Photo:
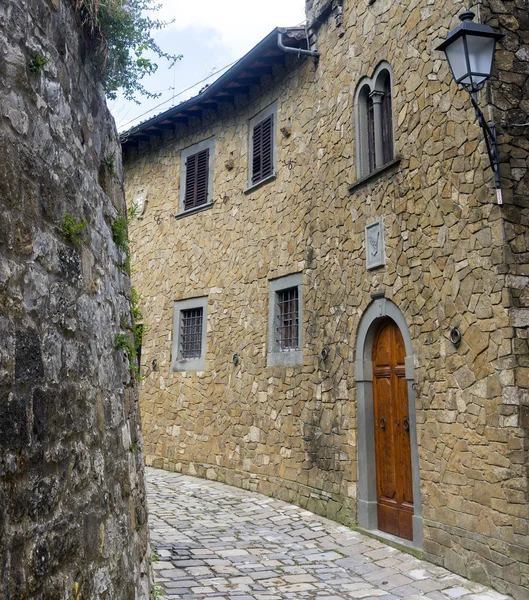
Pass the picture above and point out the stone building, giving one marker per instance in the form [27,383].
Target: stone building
[312,229]
[72,495]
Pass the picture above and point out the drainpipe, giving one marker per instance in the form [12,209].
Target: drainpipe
[298,51]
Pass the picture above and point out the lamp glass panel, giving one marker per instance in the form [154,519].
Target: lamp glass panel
[455,53]
[481,55]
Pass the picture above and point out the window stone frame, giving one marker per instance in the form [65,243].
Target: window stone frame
[275,356]
[375,87]
[271,109]
[179,364]
[209,144]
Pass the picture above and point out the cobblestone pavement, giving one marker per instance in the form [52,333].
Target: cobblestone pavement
[222,543]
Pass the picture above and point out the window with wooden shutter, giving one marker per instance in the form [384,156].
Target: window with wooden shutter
[197,176]
[263,149]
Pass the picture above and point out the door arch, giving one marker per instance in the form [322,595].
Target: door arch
[380,311]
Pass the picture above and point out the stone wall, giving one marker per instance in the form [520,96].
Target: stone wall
[72,497]
[453,258]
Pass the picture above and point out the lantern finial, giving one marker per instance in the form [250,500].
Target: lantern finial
[468,15]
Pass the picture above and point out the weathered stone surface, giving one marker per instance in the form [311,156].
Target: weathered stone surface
[453,258]
[72,498]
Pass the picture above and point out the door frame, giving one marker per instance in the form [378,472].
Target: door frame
[378,310]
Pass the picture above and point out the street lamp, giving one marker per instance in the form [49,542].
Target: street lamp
[470,49]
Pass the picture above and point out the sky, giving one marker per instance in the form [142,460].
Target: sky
[210,34]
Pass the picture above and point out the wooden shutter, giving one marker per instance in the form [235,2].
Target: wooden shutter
[263,149]
[197,179]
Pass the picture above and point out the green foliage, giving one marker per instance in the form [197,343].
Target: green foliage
[135,312]
[133,448]
[77,595]
[71,228]
[138,328]
[132,212]
[110,163]
[37,62]
[120,32]
[131,344]
[157,591]
[124,343]
[126,266]
[120,234]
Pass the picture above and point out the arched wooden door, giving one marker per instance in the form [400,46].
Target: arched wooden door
[392,433]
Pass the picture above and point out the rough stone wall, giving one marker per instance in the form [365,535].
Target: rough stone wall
[450,249]
[72,498]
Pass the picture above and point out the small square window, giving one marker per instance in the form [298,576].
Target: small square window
[189,335]
[285,321]
[196,176]
[262,159]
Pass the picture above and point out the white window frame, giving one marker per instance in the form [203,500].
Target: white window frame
[209,144]
[275,356]
[189,364]
[261,116]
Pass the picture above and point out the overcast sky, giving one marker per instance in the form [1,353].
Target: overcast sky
[210,34]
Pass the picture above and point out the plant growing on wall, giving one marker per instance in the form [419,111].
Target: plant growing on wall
[119,31]
[71,228]
[110,163]
[37,62]
[131,345]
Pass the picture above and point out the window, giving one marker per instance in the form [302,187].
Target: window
[262,159]
[288,328]
[196,192]
[189,335]
[196,176]
[374,122]
[285,321]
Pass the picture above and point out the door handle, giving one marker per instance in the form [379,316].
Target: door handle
[406,424]
[383,423]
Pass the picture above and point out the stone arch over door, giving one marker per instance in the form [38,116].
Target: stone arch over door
[377,311]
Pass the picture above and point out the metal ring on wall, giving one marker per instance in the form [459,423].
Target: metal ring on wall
[455,336]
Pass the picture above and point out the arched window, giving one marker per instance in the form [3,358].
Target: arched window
[374,122]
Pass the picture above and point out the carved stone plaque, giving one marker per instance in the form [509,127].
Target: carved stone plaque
[375,248]
[140,201]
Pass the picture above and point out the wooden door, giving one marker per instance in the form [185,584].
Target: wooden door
[392,433]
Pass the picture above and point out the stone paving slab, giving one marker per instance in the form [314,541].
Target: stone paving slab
[217,542]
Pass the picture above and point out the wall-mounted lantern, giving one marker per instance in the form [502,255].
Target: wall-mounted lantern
[470,49]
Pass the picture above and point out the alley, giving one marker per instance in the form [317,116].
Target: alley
[222,543]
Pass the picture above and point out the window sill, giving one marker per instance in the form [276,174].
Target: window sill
[360,183]
[291,358]
[264,181]
[193,211]
[189,365]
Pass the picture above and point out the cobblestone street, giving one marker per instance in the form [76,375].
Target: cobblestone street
[222,543]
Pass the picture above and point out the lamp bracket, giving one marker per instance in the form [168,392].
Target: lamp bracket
[491,141]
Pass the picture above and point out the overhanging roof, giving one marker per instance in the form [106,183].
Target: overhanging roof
[248,71]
